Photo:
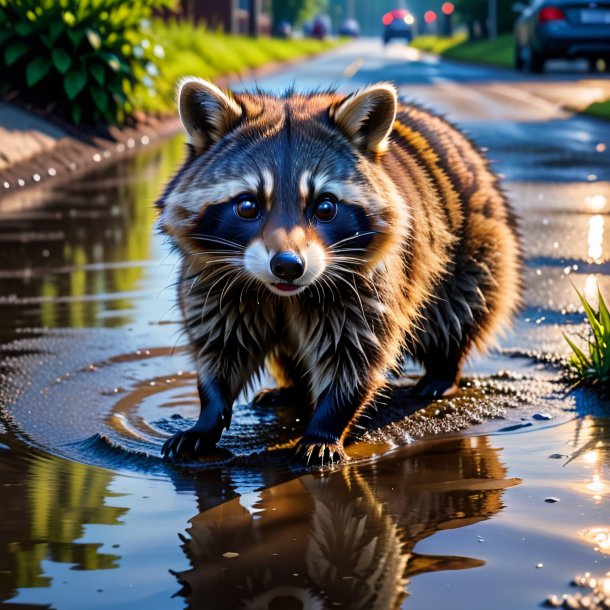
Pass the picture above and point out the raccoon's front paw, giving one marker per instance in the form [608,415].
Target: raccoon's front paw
[190,444]
[271,397]
[320,452]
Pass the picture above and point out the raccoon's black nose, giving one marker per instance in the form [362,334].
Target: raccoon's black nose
[287,266]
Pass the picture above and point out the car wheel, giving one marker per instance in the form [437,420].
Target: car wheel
[518,61]
[535,61]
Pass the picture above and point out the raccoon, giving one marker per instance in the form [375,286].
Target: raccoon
[328,237]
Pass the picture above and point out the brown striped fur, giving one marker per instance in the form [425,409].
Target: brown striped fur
[438,276]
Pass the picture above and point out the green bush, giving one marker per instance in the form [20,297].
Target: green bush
[83,58]
[591,365]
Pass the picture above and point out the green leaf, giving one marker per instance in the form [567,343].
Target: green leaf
[77,114]
[583,359]
[75,36]
[604,315]
[74,82]
[5,36]
[48,41]
[112,60]
[36,70]
[56,27]
[593,321]
[98,72]
[24,28]
[61,60]
[100,98]
[15,51]
[94,39]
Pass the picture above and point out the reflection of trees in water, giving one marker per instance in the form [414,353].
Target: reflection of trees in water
[44,511]
[591,445]
[78,243]
[344,538]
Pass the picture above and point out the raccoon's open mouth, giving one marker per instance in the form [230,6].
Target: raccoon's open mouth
[286,289]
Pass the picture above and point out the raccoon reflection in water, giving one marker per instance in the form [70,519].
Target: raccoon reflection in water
[345,539]
[328,237]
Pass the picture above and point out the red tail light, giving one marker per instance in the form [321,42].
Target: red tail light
[551,13]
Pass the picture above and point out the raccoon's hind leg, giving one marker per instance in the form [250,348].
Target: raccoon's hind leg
[453,323]
[291,386]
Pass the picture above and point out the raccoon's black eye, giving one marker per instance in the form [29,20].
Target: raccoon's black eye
[325,208]
[246,207]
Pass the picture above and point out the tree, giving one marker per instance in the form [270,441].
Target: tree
[474,14]
[296,12]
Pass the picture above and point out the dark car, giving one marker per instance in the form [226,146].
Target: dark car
[398,24]
[320,27]
[350,27]
[551,29]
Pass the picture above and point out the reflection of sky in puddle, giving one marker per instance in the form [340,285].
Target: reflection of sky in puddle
[596,237]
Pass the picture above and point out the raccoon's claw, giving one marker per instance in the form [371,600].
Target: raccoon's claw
[313,452]
[187,445]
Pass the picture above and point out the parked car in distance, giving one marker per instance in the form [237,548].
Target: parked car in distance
[550,29]
[283,29]
[398,24]
[350,27]
[320,27]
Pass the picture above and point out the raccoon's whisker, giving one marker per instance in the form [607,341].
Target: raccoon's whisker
[225,259]
[334,290]
[355,236]
[241,273]
[355,291]
[315,285]
[336,251]
[246,286]
[213,253]
[209,275]
[195,280]
[258,302]
[333,287]
[218,240]
[208,294]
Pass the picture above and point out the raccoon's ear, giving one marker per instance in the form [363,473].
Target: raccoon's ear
[206,112]
[366,117]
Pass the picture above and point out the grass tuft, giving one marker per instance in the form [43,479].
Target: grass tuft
[591,365]
[498,52]
[601,110]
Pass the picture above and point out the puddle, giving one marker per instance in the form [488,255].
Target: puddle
[421,527]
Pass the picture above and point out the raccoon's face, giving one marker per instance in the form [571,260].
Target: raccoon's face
[284,192]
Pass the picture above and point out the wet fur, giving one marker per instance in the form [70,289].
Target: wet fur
[426,262]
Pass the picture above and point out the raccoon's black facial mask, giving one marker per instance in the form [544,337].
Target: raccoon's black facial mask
[237,221]
[349,231]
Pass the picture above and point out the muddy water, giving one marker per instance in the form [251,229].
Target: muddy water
[94,378]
